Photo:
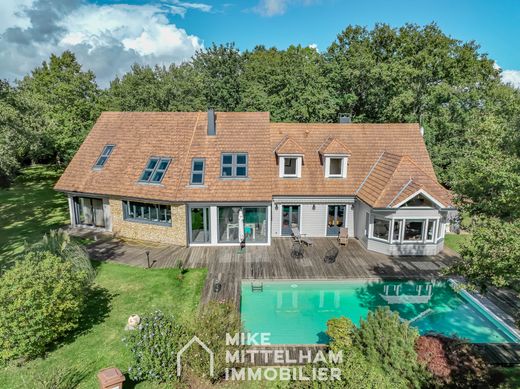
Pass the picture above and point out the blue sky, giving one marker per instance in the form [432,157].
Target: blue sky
[109,35]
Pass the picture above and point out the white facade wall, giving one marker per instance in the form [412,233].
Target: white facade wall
[313,222]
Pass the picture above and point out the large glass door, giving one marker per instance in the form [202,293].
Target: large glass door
[199,225]
[89,212]
[335,219]
[290,219]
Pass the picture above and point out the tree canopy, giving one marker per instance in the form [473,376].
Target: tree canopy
[384,74]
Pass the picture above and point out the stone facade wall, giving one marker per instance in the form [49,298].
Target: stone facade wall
[174,234]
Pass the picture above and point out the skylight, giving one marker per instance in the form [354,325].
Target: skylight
[107,150]
[155,170]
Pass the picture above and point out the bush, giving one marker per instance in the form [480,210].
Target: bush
[390,343]
[452,362]
[211,325]
[356,371]
[41,300]
[59,243]
[154,346]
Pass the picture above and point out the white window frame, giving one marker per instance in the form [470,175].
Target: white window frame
[373,221]
[426,240]
[343,166]
[281,163]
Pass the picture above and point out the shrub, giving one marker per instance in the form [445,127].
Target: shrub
[452,362]
[211,325]
[390,343]
[59,243]
[356,371]
[41,300]
[154,346]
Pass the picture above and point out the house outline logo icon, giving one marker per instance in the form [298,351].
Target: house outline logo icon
[187,346]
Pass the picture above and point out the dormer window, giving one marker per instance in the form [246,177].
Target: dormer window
[335,167]
[290,166]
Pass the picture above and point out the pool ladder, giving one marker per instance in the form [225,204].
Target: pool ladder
[257,287]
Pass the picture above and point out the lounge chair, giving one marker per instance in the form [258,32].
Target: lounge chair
[343,236]
[298,237]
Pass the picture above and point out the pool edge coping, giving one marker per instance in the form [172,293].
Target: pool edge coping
[487,306]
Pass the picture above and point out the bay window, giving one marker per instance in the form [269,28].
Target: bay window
[413,230]
[381,229]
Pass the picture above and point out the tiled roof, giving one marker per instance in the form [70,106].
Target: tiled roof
[183,136]
[395,178]
[333,146]
[288,146]
[366,143]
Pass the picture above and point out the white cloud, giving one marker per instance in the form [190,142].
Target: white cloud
[106,38]
[314,46]
[278,7]
[511,77]
[271,7]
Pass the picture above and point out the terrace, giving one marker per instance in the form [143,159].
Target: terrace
[230,266]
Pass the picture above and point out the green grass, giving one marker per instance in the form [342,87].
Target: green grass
[123,290]
[29,209]
[454,241]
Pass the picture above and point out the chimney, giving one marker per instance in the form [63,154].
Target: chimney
[212,128]
[344,118]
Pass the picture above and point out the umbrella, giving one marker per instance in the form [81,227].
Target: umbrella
[240,226]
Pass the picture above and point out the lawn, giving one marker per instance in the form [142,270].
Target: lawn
[30,208]
[122,291]
[454,241]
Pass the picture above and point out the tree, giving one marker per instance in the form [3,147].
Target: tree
[390,343]
[290,84]
[412,74]
[220,68]
[492,254]
[69,96]
[20,139]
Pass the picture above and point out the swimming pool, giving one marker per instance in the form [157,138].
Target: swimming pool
[296,312]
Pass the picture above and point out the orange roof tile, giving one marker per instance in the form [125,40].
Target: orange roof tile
[288,146]
[333,146]
[183,136]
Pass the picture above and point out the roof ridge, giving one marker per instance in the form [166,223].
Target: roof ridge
[188,150]
[418,167]
[401,191]
[391,177]
[281,142]
[369,173]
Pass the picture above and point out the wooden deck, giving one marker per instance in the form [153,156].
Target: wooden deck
[229,266]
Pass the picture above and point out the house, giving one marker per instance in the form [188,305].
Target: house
[186,178]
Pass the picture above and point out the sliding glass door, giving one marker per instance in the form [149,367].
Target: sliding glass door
[335,219]
[254,224]
[89,212]
[199,225]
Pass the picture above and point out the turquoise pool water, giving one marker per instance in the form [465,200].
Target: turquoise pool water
[296,312]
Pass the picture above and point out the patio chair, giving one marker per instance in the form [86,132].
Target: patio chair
[297,250]
[343,236]
[330,255]
[298,237]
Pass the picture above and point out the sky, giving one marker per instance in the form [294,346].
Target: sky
[108,36]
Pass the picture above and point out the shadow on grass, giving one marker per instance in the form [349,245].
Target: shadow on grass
[96,310]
